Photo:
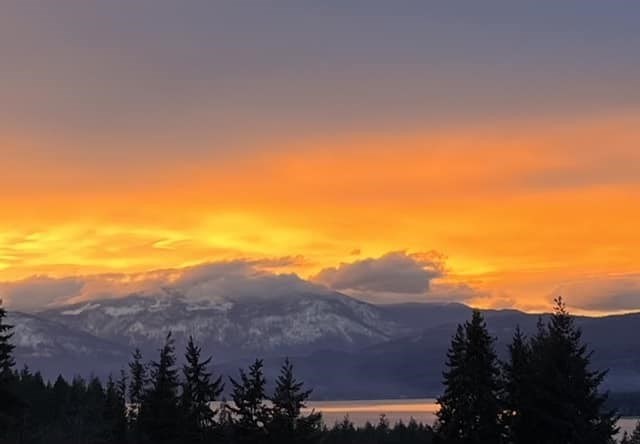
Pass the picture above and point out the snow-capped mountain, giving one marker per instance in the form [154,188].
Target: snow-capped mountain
[235,312]
[232,327]
[264,317]
[55,348]
[334,340]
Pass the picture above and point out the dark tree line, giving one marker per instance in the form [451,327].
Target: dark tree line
[345,432]
[545,393]
[159,403]
[156,403]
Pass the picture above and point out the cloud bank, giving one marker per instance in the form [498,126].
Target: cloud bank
[395,272]
[620,293]
[247,278]
[394,277]
[40,291]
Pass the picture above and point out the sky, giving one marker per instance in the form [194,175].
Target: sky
[477,152]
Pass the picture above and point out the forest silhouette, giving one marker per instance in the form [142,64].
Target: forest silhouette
[545,392]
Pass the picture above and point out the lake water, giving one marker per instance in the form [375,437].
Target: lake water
[422,410]
[359,412]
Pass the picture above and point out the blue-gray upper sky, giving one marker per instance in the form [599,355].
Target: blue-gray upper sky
[177,66]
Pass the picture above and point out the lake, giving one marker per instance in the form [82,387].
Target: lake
[422,410]
[359,412]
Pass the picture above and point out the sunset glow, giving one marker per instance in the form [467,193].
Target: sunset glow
[520,207]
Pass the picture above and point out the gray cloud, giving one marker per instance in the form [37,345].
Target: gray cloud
[605,294]
[392,278]
[456,292]
[39,291]
[238,280]
[247,278]
[396,272]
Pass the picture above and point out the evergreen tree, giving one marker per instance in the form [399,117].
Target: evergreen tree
[34,394]
[78,410]
[10,406]
[6,348]
[90,410]
[115,410]
[288,425]
[225,422]
[137,389]
[61,394]
[138,374]
[470,408]
[343,432]
[451,423]
[566,406]
[518,392]
[383,429]
[122,423]
[160,412]
[198,392]
[251,414]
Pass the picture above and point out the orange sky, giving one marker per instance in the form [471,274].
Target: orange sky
[501,138]
[519,210]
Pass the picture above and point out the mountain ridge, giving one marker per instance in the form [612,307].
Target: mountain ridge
[342,346]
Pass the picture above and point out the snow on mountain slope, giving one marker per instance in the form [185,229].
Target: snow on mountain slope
[234,314]
[55,348]
[333,339]
[232,327]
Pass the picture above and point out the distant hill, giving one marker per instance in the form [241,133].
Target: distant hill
[343,347]
[412,366]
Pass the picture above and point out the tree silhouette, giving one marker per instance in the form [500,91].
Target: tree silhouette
[10,405]
[548,395]
[198,392]
[470,408]
[115,410]
[251,414]
[138,373]
[160,412]
[518,391]
[567,405]
[6,348]
[137,390]
[288,425]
